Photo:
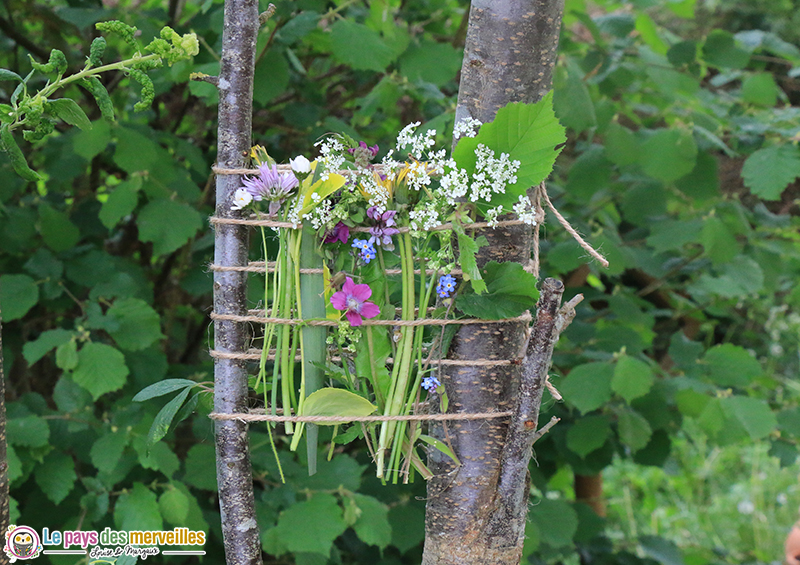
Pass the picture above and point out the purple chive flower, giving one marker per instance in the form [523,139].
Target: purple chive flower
[384,230]
[365,249]
[446,286]
[270,185]
[353,300]
[340,232]
[430,383]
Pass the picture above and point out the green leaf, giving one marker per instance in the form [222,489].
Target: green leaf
[359,47]
[572,103]
[137,509]
[753,414]
[668,154]
[662,550]
[373,366]
[740,277]
[760,89]
[408,524]
[58,232]
[621,147]
[467,248]
[91,142]
[158,457]
[271,78]
[789,421]
[431,61]
[336,402]
[588,387]
[56,476]
[588,434]
[556,520]
[18,294]
[529,133]
[69,397]
[101,369]
[121,202]
[731,365]
[720,50]
[67,355]
[161,388]
[682,53]
[5,74]
[15,155]
[648,31]
[164,417]
[632,379]
[35,350]
[719,242]
[135,152]
[510,291]
[69,111]
[372,525]
[138,325]
[107,451]
[441,446]
[174,506]
[201,467]
[634,429]
[28,431]
[311,526]
[168,224]
[14,465]
[767,172]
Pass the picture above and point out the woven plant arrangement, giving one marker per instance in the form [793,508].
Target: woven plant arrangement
[370,266]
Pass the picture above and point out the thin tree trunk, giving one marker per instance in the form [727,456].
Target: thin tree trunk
[234,472]
[476,513]
[5,518]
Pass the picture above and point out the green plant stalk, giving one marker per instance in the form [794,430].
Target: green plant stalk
[413,393]
[372,377]
[275,311]
[269,329]
[62,82]
[286,345]
[401,369]
[313,348]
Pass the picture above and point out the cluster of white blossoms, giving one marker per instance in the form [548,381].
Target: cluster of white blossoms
[331,155]
[322,215]
[419,143]
[492,214]
[466,128]
[524,211]
[491,175]
[424,218]
[378,194]
[417,175]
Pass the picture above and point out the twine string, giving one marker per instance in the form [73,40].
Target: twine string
[249,417]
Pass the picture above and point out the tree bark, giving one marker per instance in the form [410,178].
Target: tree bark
[234,471]
[476,513]
[4,494]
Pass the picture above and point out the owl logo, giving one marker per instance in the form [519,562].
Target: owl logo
[22,542]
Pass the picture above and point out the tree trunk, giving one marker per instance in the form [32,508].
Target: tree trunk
[4,502]
[476,513]
[234,472]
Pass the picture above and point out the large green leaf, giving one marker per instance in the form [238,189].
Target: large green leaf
[137,324]
[632,378]
[372,525]
[359,47]
[587,387]
[634,430]
[588,434]
[510,291]
[121,202]
[28,431]
[58,231]
[101,369]
[311,526]
[668,154]
[137,509]
[731,365]
[18,294]
[720,50]
[69,111]
[331,402]
[556,520]
[168,225]
[164,417]
[56,476]
[768,171]
[35,350]
[529,133]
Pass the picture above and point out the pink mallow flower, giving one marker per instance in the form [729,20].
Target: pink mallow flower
[353,299]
